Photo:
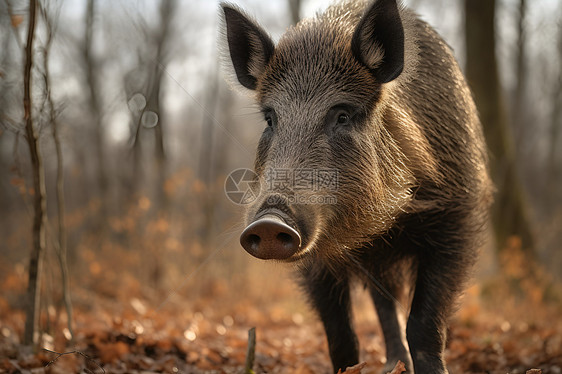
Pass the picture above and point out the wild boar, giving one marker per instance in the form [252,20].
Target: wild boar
[370,95]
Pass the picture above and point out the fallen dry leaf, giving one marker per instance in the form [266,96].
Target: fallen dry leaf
[356,369]
[398,368]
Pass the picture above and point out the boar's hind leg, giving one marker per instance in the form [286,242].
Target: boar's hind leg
[330,296]
[386,306]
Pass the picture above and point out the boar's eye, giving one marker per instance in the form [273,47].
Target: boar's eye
[343,119]
[340,117]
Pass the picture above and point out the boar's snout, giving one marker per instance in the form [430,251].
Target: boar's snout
[270,237]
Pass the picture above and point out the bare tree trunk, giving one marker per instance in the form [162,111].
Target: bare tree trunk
[510,214]
[553,172]
[295,8]
[95,109]
[153,92]
[206,165]
[167,8]
[153,105]
[519,101]
[39,202]
[137,156]
[61,247]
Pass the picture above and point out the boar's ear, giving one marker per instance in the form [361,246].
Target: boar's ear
[249,45]
[378,40]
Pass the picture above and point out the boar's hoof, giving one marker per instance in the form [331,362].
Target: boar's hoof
[269,237]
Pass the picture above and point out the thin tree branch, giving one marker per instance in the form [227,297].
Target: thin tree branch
[60,247]
[33,288]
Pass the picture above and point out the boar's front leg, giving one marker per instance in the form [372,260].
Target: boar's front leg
[437,286]
[330,296]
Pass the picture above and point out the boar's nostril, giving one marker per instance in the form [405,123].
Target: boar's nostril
[285,239]
[253,241]
[270,237]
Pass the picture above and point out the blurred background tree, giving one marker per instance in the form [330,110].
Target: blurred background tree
[510,213]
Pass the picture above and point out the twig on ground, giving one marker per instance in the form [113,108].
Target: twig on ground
[59,355]
[251,355]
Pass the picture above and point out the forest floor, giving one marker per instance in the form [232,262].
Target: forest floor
[505,324]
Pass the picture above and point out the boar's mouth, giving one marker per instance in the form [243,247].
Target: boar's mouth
[272,235]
